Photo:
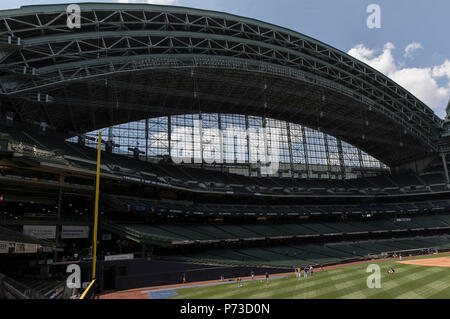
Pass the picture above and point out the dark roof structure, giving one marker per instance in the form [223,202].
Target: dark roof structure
[132,61]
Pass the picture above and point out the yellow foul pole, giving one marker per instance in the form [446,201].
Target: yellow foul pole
[97,186]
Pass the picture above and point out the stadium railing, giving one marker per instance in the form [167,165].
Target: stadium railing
[12,289]
[34,289]
[89,292]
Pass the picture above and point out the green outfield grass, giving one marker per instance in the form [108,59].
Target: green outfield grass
[409,282]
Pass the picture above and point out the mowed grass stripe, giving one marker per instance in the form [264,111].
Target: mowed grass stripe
[321,279]
[250,289]
[410,281]
[444,294]
[387,284]
[278,288]
[415,278]
[422,286]
[360,289]
[199,291]
[260,290]
[431,285]
[255,290]
[412,278]
[206,292]
[326,284]
[356,280]
[225,291]
[284,286]
[335,284]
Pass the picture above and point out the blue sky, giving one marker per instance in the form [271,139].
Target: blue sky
[422,26]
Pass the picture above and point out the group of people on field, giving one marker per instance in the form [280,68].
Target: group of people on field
[239,279]
[304,271]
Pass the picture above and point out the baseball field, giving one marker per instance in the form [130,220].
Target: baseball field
[414,278]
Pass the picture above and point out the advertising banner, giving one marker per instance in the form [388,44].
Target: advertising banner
[41,232]
[75,232]
[4,247]
[119,257]
[26,248]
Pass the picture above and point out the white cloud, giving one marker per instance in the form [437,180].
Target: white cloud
[442,70]
[410,48]
[384,62]
[422,82]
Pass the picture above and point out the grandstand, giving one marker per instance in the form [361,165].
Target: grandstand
[291,256]
[199,233]
[182,97]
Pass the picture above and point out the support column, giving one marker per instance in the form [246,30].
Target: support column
[444,163]
[266,142]
[341,158]
[327,152]
[146,139]
[305,149]
[169,135]
[361,163]
[222,155]
[58,216]
[110,134]
[197,153]
[291,157]
[247,128]
[200,136]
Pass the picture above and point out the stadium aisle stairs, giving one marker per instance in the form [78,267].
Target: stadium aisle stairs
[184,232]
[294,229]
[265,231]
[348,250]
[156,231]
[211,232]
[320,228]
[239,232]
[429,221]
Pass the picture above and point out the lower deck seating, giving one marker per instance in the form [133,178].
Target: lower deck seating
[301,255]
[201,232]
[43,288]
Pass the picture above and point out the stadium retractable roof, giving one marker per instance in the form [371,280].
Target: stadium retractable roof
[132,61]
